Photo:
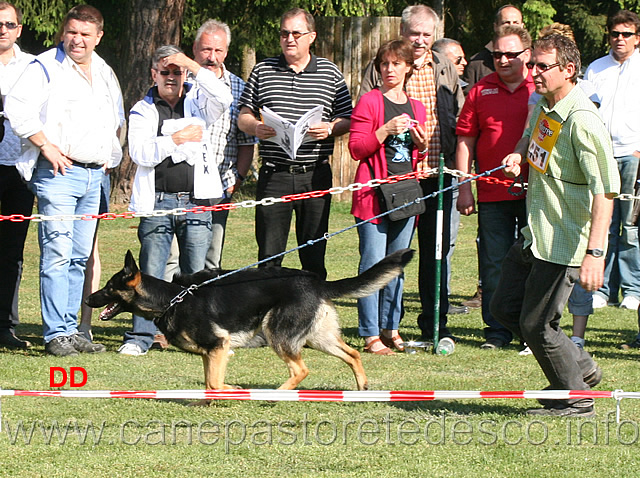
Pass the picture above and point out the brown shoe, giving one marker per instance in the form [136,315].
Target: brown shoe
[394,342]
[159,342]
[476,301]
[383,351]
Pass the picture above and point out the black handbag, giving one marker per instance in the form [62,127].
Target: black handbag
[401,193]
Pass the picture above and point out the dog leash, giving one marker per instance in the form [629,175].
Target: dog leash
[192,288]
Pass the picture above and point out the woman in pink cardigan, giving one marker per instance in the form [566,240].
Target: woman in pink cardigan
[387,138]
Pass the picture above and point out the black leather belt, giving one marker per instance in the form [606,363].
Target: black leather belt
[87,165]
[294,168]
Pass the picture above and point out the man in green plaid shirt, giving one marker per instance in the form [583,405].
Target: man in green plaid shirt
[573,179]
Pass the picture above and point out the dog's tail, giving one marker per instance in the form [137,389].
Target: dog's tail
[373,279]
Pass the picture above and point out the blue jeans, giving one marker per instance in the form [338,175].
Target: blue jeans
[499,225]
[529,300]
[193,232]
[382,310]
[65,246]
[622,264]
[580,301]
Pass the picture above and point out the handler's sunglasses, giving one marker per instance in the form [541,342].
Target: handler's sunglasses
[626,35]
[541,67]
[9,25]
[509,54]
[167,72]
[296,35]
[458,60]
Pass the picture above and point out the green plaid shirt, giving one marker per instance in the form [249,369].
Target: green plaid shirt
[581,165]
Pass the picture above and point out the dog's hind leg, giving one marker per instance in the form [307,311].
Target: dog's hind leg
[298,371]
[326,338]
[351,357]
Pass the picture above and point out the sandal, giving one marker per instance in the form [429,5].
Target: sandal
[383,351]
[394,342]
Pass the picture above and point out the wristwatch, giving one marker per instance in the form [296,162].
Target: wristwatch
[595,252]
[329,130]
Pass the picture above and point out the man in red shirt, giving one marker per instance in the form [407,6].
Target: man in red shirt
[490,124]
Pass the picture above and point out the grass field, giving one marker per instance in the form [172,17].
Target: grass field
[136,437]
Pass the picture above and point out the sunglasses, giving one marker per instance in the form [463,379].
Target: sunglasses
[541,67]
[296,35]
[625,35]
[458,60]
[509,54]
[9,25]
[167,72]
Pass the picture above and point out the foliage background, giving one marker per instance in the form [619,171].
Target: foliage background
[254,23]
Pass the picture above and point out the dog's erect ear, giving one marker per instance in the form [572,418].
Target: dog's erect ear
[130,266]
[132,273]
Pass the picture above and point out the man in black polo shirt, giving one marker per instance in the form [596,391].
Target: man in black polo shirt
[291,85]
[175,170]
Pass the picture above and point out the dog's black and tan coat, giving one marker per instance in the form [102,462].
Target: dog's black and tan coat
[293,308]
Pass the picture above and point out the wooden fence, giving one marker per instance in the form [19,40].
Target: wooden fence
[351,42]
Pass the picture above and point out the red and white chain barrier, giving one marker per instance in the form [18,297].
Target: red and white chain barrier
[249,203]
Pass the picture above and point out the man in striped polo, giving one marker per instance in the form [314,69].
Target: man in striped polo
[290,85]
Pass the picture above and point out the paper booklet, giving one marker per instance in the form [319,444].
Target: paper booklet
[288,135]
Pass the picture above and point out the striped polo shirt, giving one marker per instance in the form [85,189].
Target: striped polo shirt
[274,84]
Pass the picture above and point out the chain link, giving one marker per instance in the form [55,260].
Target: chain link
[251,203]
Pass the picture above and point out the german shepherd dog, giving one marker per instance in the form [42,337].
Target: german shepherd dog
[292,307]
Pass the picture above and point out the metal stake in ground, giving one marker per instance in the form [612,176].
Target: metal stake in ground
[438,253]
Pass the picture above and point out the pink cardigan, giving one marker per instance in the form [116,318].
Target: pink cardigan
[367,117]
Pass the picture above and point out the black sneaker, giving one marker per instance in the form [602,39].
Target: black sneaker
[10,341]
[631,345]
[493,343]
[81,344]
[564,411]
[60,347]
[455,310]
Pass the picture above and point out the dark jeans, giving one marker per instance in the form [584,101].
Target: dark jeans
[427,247]
[15,198]
[312,215]
[529,301]
[499,225]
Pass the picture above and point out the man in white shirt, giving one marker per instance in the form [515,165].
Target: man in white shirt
[15,197]
[67,108]
[176,169]
[616,80]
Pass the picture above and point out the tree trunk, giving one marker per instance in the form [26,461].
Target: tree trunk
[248,61]
[150,24]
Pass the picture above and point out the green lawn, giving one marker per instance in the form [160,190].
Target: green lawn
[136,437]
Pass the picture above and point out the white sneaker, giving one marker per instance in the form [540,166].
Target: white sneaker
[131,349]
[630,303]
[525,351]
[599,302]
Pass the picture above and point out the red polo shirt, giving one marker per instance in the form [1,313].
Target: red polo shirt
[496,117]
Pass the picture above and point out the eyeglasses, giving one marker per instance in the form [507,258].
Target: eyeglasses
[509,54]
[296,35]
[9,25]
[626,35]
[458,60]
[167,72]
[541,67]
